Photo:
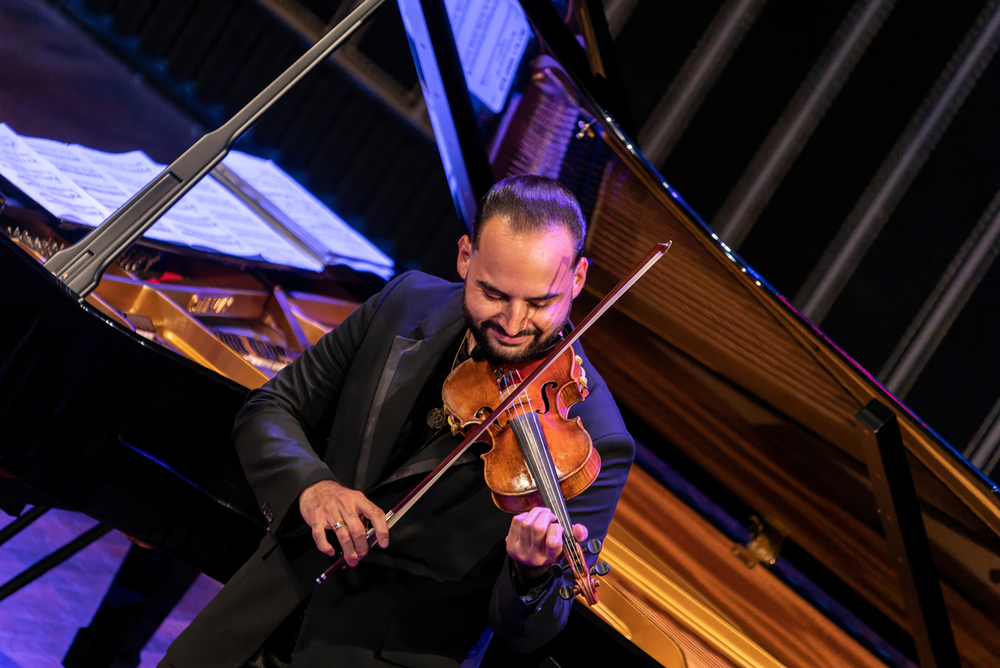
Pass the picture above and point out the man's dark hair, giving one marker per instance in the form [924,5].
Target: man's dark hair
[528,203]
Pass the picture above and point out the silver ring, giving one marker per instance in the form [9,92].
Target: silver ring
[337,525]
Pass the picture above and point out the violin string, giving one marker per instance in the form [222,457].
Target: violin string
[537,438]
[536,461]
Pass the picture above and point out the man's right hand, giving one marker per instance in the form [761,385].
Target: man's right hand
[330,505]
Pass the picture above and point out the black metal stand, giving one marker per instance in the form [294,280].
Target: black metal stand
[475,162]
[145,589]
[904,529]
[21,523]
[45,565]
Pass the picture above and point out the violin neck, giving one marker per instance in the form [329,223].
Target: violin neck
[527,431]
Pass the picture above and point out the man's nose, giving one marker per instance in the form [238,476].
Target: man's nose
[514,316]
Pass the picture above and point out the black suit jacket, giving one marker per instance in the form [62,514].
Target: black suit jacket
[334,414]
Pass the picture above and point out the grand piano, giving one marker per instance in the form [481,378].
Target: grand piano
[872,541]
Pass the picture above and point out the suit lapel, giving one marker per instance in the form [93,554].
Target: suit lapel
[424,461]
[410,361]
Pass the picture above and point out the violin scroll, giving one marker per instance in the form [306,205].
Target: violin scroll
[590,582]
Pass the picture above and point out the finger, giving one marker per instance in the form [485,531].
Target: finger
[540,526]
[356,534]
[534,514]
[519,536]
[553,542]
[322,544]
[377,518]
[346,545]
[521,526]
[525,519]
[580,532]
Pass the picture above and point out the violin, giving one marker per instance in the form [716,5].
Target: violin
[537,455]
[537,458]
[538,417]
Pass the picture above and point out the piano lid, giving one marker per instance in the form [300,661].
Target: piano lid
[703,350]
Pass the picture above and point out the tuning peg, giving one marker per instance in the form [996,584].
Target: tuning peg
[594,546]
[600,568]
[556,571]
[566,592]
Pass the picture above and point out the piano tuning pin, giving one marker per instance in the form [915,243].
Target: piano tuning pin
[600,568]
[566,592]
[594,546]
[556,571]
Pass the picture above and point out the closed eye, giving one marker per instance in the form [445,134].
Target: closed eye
[494,296]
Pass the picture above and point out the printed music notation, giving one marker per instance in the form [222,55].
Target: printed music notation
[85,186]
[491,37]
[342,243]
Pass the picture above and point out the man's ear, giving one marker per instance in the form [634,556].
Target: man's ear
[464,256]
[580,276]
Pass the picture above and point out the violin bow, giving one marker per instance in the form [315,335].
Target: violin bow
[417,492]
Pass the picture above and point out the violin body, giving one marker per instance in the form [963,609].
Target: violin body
[476,387]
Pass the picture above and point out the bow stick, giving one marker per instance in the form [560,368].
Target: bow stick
[403,506]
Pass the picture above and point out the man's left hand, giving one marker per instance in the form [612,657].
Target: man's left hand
[535,539]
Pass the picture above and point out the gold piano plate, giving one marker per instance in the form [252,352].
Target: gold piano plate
[177,330]
[201,300]
[317,314]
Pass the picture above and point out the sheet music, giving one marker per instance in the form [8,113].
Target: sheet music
[346,244]
[86,186]
[46,185]
[226,208]
[209,217]
[491,36]
[111,193]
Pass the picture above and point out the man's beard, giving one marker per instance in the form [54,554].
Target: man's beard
[499,355]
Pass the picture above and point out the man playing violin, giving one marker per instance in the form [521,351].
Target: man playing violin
[343,433]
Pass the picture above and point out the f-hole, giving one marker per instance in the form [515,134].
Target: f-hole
[550,386]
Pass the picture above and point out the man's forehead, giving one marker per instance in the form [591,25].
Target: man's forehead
[553,236]
[535,272]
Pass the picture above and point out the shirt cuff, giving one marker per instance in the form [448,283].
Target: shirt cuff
[530,584]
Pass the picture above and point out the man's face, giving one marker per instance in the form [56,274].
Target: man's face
[518,288]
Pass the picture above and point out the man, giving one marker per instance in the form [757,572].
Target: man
[343,433]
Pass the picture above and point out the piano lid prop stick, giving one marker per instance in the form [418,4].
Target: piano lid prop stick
[80,266]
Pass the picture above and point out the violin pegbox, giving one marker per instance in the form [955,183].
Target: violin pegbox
[586,590]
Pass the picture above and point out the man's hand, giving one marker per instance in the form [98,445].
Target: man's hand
[535,539]
[329,505]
